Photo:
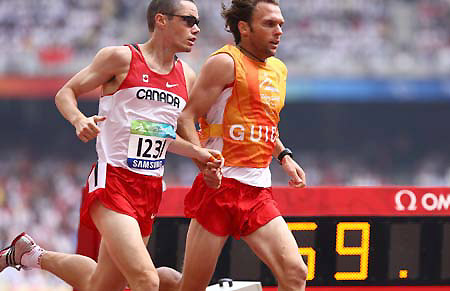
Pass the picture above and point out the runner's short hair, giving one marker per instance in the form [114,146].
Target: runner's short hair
[161,6]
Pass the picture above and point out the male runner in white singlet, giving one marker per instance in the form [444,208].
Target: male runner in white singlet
[144,89]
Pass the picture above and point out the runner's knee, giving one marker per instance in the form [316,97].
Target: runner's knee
[294,274]
[169,279]
[147,278]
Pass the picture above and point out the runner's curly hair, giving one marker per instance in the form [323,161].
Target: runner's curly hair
[240,10]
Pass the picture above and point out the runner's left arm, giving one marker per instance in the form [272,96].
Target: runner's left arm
[290,166]
[182,147]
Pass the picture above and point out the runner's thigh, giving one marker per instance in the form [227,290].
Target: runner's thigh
[122,238]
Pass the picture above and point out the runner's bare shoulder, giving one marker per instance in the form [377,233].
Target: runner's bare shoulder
[114,57]
[220,67]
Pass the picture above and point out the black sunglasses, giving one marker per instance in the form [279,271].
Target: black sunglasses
[189,19]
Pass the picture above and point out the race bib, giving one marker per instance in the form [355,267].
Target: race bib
[148,144]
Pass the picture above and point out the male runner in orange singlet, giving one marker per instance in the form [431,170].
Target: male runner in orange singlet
[144,89]
[238,96]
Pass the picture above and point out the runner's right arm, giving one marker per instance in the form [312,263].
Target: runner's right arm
[108,64]
[216,73]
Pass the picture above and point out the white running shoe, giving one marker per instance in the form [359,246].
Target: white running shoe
[12,255]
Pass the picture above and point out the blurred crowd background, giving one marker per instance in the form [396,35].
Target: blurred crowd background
[322,37]
[375,111]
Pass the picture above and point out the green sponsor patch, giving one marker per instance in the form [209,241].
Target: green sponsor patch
[150,128]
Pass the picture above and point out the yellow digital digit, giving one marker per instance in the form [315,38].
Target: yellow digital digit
[362,250]
[309,252]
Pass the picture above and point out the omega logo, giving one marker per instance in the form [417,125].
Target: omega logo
[412,200]
[429,201]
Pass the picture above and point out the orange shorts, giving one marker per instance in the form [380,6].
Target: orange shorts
[124,192]
[235,208]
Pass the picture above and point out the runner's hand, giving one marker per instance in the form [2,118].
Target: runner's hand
[86,128]
[298,177]
[210,158]
[212,170]
[215,160]
[212,177]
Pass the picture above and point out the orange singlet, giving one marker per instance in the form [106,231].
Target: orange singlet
[246,115]
[243,125]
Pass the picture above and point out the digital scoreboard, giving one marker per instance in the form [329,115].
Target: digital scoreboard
[374,250]
[366,237]
[348,236]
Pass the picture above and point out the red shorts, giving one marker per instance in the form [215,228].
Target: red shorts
[124,192]
[235,208]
